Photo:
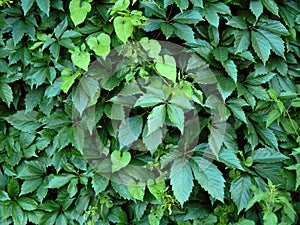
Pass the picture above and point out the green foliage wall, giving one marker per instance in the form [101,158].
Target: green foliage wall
[249,174]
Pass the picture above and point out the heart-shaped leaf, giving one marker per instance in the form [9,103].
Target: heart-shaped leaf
[118,161]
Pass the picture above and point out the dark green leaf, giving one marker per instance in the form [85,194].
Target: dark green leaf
[268,155]
[188,17]
[261,46]
[240,192]
[44,5]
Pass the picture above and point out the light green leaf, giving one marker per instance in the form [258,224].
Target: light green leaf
[6,93]
[44,5]
[270,218]
[27,203]
[231,69]
[80,58]
[268,155]
[146,101]
[256,8]
[26,122]
[68,79]
[181,179]
[156,187]
[209,177]
[26,5]
[241,192]
[188,17]
[57,181]
[297,168]
[212,16]
[273,115]
[99,183]
[118,161]
[261,46]
[130,130]
[79,10]
[123,28]
[156,118]
[176,116]
[119,5]
[29,186]
[241,41]
[271,6]
[100,44]
[166,67]
[137,190]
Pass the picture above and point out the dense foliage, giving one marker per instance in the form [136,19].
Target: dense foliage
[93,131]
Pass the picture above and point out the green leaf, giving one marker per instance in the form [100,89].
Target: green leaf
[261,46]
[237,22]
[79,10]
[156,118]
[273,115]
[182,4]
[270,218]
[44,5]
[268,155]
[188,17]
[209,177]
[100,44]
[29,186]
[228,157]
[221,54]
[146,101]
[273,26]
[197,3]
[237,110]
[68,79]
[271,6]
[23,121]
[152,140]
[26,5]
[226,86]
[17,214]
[297,168]
[117,216]
[123,28]
[137,190]
[80,58]
[184,32]
[13,188]
[118,161]
[241,192]
[99,183]
[212,16]
[276,43]
[57,181]
[166,67]
[6,93]
[27,203]
[176,116]
[4,196]
[19,29]
[231,69]
[130,130]
[156,187]
[256,8]
[268,136]
[181,179]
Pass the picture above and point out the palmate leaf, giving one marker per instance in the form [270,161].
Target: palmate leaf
[208,176]
[182,4]
[26,5]
[176,116]
[156,118]
[240,191]
[256,8]
[241,40]
[184,32]
[261,46]
[231,69]
[188,17]
[130,130]
[24,121]
[268,155]
[181,179]
[271,6]
[275,41]
[268,136]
